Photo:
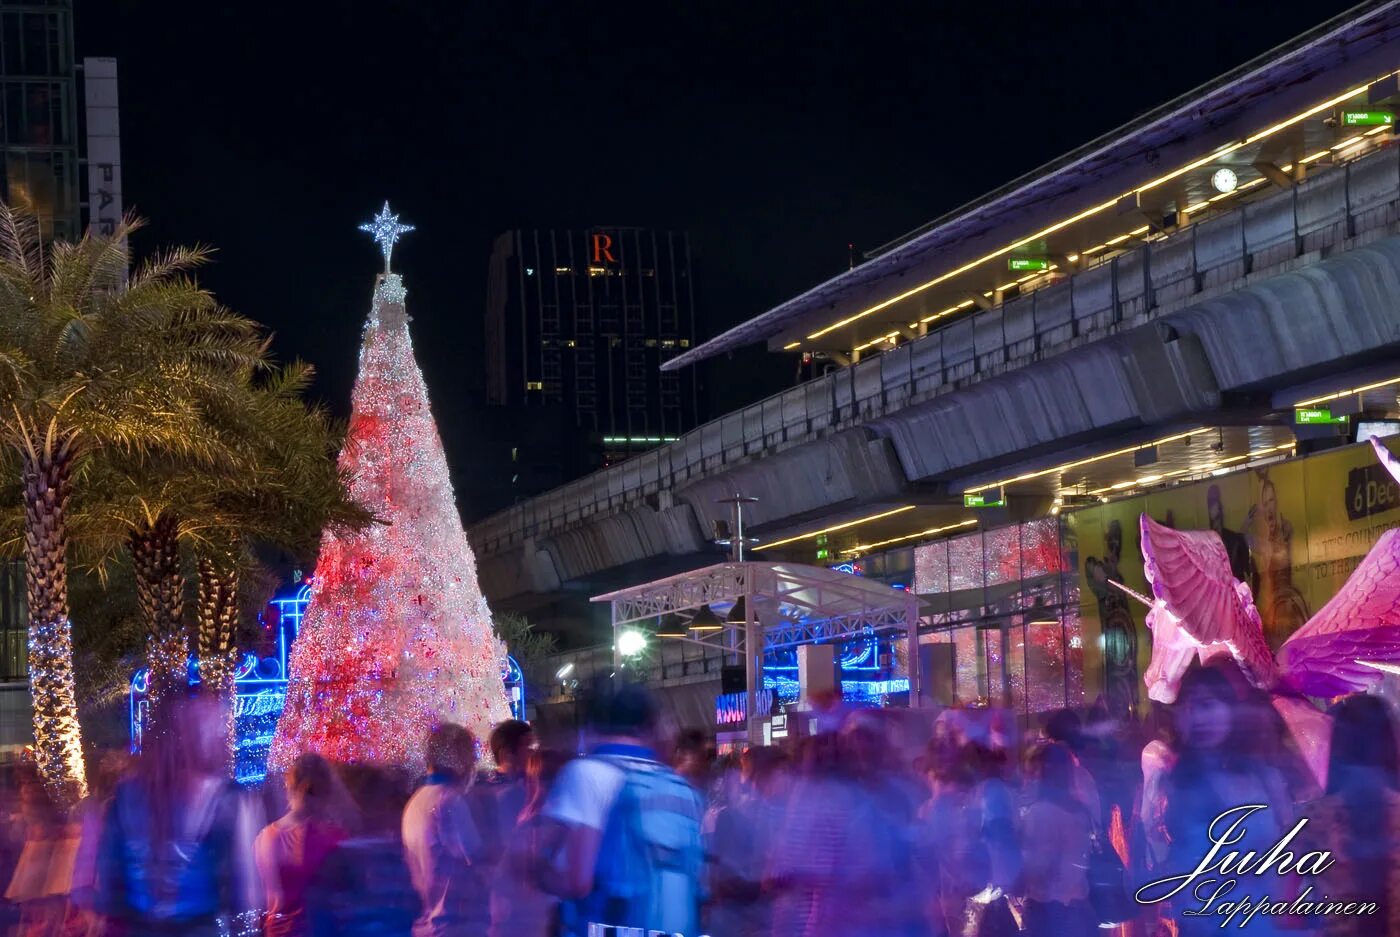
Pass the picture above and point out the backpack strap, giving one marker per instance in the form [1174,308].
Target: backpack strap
[611,900]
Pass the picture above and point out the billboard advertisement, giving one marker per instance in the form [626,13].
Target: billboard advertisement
[1293,530]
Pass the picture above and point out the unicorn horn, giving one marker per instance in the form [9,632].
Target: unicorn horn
[1392,464]
[1132,592]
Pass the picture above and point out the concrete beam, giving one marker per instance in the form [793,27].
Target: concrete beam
[1274,174]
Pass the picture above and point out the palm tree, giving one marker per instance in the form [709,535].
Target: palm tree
[293,491]
[279,486]
[93,360]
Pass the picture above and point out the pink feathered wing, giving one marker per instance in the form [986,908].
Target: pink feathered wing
[1200,606]
[1361,623]
[1200,609]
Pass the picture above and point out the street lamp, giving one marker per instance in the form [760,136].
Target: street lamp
[630,643]
[706,620]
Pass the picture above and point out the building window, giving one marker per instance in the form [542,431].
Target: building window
[534,385]
[668,343]
[685,343]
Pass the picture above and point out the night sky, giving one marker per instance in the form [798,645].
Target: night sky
[775,133]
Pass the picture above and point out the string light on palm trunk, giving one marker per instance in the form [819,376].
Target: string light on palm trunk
[57,735]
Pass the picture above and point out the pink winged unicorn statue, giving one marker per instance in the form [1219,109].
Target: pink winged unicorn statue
[1199,610]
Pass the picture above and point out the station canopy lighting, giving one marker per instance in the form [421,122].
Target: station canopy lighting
[1261,115]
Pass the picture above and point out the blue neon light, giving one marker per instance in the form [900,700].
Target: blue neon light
[861,654]
[260,693]
[852,691]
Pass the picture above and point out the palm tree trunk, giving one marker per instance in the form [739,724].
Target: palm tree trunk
[160,591]
[58,740]
[218,620]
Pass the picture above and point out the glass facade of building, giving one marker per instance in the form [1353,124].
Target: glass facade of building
[1025,616]
[14,615]
[1003,614]
[38,113]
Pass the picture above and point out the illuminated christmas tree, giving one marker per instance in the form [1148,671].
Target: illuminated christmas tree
[397,636]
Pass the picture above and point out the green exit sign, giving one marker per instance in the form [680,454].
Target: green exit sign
[984,499]
[1027,263]
[1368,118]
[1304,415]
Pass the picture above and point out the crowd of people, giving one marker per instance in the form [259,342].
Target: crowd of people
[970,824]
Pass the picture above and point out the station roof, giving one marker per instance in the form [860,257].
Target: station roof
[792,602]
[1277,112]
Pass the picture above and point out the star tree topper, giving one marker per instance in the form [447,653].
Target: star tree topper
[386,230]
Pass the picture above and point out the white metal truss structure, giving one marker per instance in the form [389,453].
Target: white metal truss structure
[784,605]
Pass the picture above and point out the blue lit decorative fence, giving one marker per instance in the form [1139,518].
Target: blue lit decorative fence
[260,692]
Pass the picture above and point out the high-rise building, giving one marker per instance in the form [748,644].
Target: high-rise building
[39,113]
[579,322]
[50,122]
[577,326]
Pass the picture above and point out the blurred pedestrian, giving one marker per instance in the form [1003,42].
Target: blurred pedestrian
[89,815]
[1357,821]
[519,908]
[694,758]
[36,888]
[1217,769]
[947,836]
[1064,727]
[499,796]
[1056,834]
[363,889]
[623,843]
[291,850]
[740,845]
[828,876]
[176,850]
[442,842]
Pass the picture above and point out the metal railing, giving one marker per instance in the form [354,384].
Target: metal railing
[560,677]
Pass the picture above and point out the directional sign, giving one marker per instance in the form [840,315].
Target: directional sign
[1307,415]
[1027,263]
[1368,119]
[991,498]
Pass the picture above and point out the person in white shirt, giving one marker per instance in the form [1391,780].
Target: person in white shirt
[622,843]
[442,845]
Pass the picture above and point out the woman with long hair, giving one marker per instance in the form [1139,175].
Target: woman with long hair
[1358,818]
[518,907]
[291,850]
[1220,766]
[175,855]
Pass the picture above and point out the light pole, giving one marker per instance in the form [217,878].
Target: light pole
[753,639]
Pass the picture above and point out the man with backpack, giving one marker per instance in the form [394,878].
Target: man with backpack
[625,849]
